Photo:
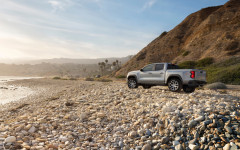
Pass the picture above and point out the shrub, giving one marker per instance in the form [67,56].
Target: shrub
[141,56]
[205,62]
[163,34]
[232,46]
[187,65]
[121,76]
[227,75]
[72,78]
[216,85]
[89,79]
[56,78]
[185,53]
[104,80]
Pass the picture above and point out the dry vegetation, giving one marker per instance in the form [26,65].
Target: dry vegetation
[211,32]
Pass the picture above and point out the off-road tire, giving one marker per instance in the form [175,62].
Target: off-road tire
[175,85]
[132,83]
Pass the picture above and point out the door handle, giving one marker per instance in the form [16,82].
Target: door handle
[150,73]
[161,73]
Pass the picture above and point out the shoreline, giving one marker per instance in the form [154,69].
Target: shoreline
[95,115]
[9,93]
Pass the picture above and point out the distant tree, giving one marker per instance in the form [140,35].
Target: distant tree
[117,63]
[106,61]
[103,64]
[101,69]
[100,66]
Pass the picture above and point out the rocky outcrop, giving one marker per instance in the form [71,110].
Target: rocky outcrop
[210,32]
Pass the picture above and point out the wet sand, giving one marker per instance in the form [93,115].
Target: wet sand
[10,92]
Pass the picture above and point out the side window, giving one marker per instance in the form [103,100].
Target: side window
[149,68]
[159,67]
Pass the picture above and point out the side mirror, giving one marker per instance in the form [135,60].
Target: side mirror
[141,70]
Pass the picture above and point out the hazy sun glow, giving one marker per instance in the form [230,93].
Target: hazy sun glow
[86,28]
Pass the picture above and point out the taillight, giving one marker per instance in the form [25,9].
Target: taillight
[192,74]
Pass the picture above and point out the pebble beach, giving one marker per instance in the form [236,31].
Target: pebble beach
[76,115]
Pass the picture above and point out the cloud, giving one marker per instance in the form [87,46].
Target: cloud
[60,4]
[29,30]
[30,47]
[149,4]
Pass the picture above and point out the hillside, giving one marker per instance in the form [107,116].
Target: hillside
[211,32]
[67,60]
[48,69]
[81,61]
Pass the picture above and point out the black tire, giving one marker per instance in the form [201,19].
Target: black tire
[188,89]
[175,85]
[147,86]
[132,83]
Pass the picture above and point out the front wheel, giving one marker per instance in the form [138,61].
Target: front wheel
[175,85]
[132,83]
[188,89]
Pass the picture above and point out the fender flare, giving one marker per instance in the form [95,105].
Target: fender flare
[134,76]
[174,76]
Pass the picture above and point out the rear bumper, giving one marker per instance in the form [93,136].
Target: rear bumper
[196,83]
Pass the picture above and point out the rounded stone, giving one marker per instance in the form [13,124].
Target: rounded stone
[10,139]
[147,147]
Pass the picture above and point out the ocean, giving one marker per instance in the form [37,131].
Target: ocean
[10,93]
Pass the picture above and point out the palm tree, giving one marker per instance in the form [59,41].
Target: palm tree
[117,63]
[100,65]
[103,64]
[101,69]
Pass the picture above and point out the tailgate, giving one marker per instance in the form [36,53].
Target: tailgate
[200,75]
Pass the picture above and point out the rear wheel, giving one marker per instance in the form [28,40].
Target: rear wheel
[175,85]
[146,86]
[188,89]
[132,83]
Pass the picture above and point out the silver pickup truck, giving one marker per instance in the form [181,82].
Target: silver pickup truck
[167,74]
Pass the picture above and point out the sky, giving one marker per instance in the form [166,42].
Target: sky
[44,29]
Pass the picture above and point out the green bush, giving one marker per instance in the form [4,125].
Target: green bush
[103,80]
[89,79]
[227,75]
[228,62]
[205,62]
[121,76]
[72,78]
[217,85]
[163,34]
[187,65]
[199,64]
[227,71]
[56,78]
